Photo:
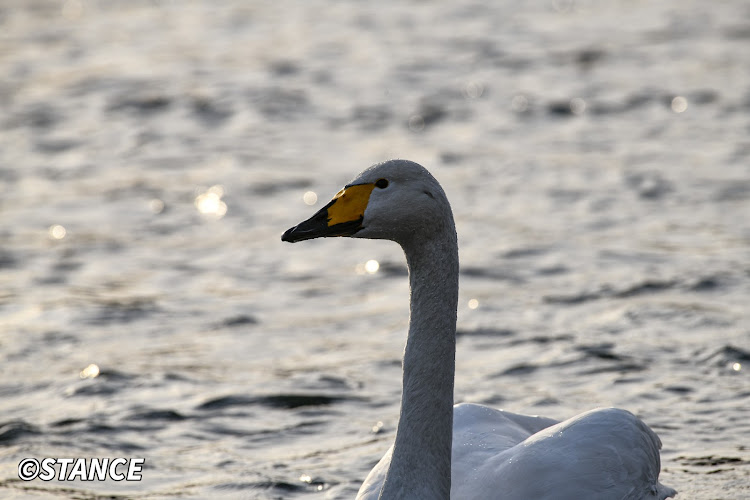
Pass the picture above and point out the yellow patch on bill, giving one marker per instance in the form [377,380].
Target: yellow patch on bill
[349,204]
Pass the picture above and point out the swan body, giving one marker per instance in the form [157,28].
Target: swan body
[470,451]
[605,453]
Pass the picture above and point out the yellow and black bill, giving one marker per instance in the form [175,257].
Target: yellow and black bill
[342,216]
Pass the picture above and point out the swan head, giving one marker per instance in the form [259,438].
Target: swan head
[396,200]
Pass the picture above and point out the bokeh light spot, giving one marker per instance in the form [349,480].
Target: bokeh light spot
[156,206]
[209,203]
[679,104]
[57,232]
[372,266]
[91,371]
[416,123]
[577,106]
[310,198]
[474,90]
[473,303]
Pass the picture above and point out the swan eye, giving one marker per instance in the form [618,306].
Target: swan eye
[381,183]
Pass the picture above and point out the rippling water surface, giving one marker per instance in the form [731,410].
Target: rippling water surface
[597,156]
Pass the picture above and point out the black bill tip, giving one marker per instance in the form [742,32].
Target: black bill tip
[296,233]
[314,227]
[317,227]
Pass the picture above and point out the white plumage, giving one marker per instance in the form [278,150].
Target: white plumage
[470,451]
[605,453]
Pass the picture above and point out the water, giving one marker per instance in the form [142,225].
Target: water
[598,163]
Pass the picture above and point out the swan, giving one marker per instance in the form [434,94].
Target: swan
[470,451]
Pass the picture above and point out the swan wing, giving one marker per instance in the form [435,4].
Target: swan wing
[473,424]
[604,454]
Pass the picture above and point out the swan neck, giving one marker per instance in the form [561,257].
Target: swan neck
[421,461]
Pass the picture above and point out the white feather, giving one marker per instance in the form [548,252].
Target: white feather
[470,451]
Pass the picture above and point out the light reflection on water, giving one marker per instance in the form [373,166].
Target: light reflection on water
[91,371]
[416,123]
[474,90]
[57,232]
[679,104]
[210,203]
[577,106]
[156,206]
[371,266]
[310,198]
